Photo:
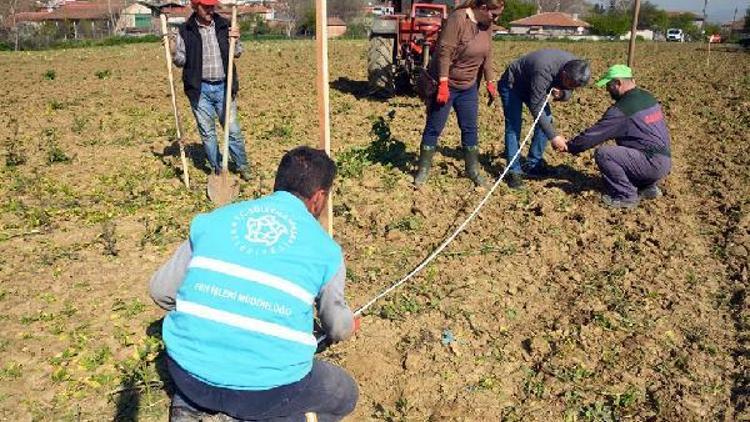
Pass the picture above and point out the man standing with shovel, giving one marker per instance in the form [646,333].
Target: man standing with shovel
[201,48]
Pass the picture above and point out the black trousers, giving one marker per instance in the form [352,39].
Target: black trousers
[327,390]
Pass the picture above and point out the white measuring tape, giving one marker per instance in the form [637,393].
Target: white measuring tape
[460,228]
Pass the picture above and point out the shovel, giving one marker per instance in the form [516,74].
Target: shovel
[178,124]
[221,189]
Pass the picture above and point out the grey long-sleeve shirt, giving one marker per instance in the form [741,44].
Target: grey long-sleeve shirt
[534,75]
[334,313]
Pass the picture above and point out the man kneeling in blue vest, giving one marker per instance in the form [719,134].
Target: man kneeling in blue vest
[240,295]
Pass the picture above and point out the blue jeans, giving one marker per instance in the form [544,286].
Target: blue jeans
[513,108]
[327,390]
[210,105]
[466,104]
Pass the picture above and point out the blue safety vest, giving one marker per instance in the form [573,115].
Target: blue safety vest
[244,313]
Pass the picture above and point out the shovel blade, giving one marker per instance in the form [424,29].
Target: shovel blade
[222,189]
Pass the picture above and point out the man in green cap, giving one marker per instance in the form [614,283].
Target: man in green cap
[641,157]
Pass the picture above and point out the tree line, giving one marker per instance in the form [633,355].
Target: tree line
[297,17]
[613,18]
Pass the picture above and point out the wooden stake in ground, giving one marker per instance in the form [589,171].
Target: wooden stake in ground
[221,189]
[178,124]
[324,106]
[633,30]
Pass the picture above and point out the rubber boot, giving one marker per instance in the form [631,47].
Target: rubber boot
[514,180]
[425,162]
[651,192]
[471,155]
[618,203]
[245,173]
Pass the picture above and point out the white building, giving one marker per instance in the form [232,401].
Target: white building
[646,34]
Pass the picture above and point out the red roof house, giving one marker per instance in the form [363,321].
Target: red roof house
[101,10]
[734,27]
[336,27]
[77,19]
[550,23]
[75,11]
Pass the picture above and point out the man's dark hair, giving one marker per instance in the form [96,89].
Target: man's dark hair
[303,171]
[578,71]
[471,4]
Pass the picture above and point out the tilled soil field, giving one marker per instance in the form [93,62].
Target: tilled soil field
[548,306]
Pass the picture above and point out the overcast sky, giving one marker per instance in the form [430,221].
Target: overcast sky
[719,11]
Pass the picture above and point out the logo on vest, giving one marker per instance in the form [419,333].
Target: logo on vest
[262,230]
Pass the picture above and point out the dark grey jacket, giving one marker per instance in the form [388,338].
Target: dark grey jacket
[533,75]
[635,121]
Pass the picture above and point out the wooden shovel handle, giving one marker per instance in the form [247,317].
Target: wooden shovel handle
[178,123]
[228,93]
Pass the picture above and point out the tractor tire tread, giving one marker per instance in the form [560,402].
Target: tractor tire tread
[380,70]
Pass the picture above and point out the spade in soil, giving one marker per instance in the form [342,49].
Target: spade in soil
[222,188]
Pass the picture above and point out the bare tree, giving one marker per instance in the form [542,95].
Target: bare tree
[296,13]
[49,4]
[346,9]
[621,5]
[13,9]
[9,9]
[567,6]
[293,12]
[113,15]
[111,18]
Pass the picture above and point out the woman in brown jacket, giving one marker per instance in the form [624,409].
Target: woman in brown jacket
[464,49]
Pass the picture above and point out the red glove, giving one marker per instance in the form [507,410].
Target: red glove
[416,48]
[443,93]
[492,90]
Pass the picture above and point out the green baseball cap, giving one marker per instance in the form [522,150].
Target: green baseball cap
[618,71]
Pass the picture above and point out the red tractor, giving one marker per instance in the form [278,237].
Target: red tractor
[401,43]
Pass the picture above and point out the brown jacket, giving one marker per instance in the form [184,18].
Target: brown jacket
[462,51]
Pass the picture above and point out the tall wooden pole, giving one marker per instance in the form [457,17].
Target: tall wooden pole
[324,105]
[706,34]
[633,30]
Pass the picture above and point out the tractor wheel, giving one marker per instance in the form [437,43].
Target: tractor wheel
[380,68]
